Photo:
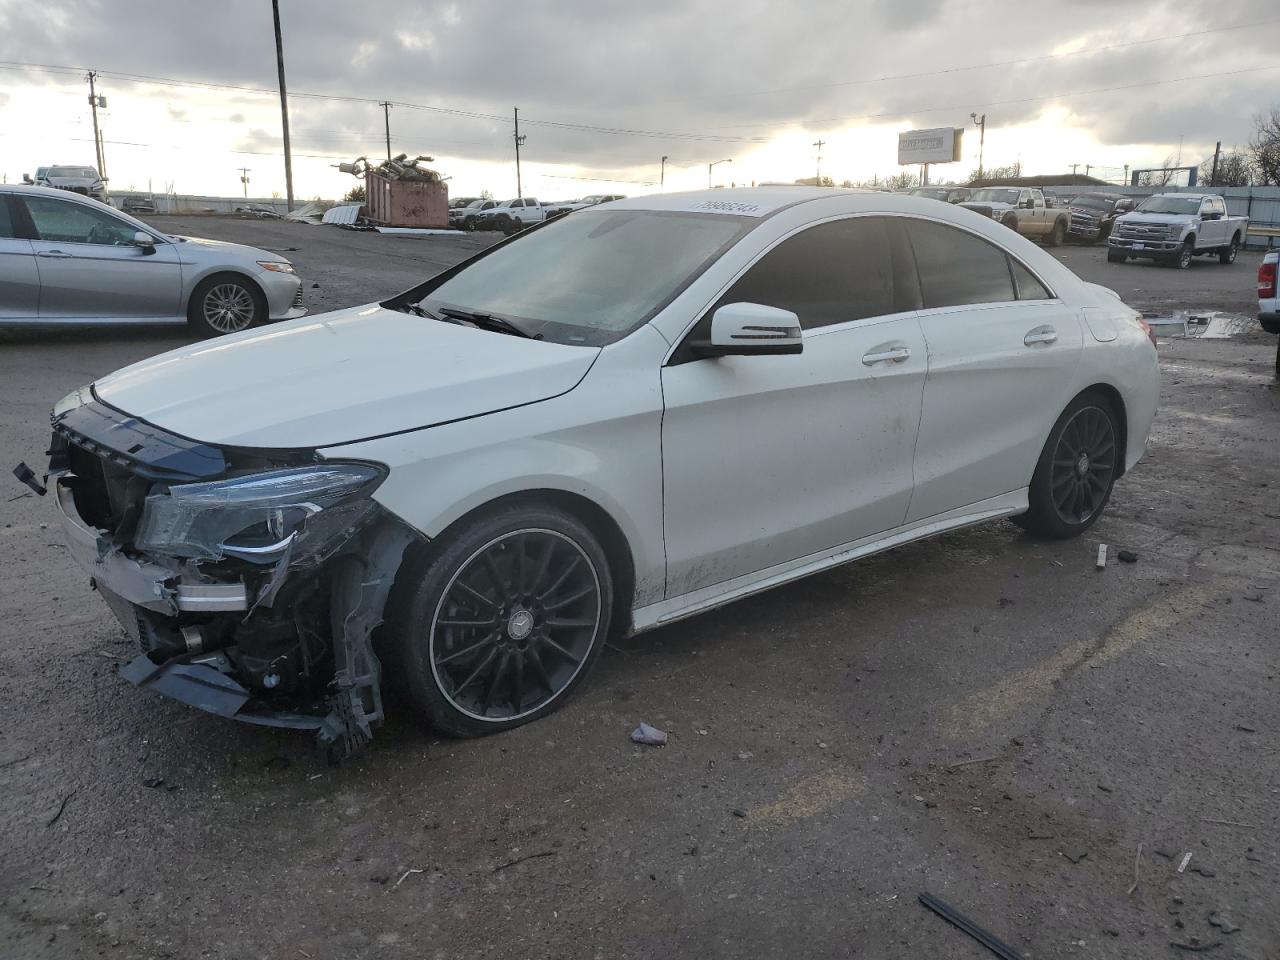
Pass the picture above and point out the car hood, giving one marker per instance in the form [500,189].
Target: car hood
[198,250]
[986,205]
[340,377]
[1158,217]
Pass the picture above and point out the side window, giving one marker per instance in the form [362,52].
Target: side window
[516,203]
[6,220]
[1028,287]
[957,267]
[834,272]
[63,221]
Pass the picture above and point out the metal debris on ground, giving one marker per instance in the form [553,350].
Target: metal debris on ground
[531,856]
[61,807]
[344,214]
[961,922]
[649,736]
[1101,562]
[404,876]
[1186,858]
[1137,864]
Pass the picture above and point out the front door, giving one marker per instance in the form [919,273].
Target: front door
[19,279]
[769,459]
[90,268]
[1002,351]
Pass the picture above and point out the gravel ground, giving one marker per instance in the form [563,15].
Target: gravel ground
[982,716]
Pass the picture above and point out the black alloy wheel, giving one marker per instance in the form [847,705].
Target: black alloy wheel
[1077,468]
[1084,465]
[505,621]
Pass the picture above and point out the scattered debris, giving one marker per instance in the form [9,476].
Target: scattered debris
[532,856]
[965,763]
[1101,563]
[16,760]
[61,807]
[1203,871]
[1074,854]
[1137,864]
[1186,858]
[1005,602]
[397,168]
[1245,728]
[1229,823]
[404,876]
[343,214]
[1195,946]
[649,736]
[1222,923]
[1104,788]
[739,812]
[960,921]
[419,231]
[1126,556]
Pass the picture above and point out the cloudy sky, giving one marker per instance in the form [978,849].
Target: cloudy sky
[607,87]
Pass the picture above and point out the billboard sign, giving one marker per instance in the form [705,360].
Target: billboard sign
[939,145]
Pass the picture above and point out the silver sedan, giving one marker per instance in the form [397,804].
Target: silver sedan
[69,260]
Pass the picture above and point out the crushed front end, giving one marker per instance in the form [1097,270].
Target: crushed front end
[251,580]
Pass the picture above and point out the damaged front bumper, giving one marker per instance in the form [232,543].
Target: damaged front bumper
[280,637]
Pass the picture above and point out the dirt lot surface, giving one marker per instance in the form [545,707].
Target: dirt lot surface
[981,716]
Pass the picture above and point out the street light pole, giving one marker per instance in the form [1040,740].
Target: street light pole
[712,164]
[981,124]
[662,175]
[284,108]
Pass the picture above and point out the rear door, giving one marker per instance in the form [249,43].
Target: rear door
[1002,350]
[768,459]
[90,268]
[19,278]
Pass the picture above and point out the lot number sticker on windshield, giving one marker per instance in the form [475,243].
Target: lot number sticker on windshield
[727,206]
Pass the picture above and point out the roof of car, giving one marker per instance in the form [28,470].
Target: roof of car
[746,201]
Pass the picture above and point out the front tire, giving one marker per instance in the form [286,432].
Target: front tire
[1182,259]
[223,304]
[1076,470]
[499,624]
[1228,253]
[1116,256]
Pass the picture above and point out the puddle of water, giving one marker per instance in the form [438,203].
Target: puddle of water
[1197,324]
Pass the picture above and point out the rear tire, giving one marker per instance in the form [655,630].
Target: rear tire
[1228,253]
[1076,470]
[1057,234]
[225,303]
[500,622]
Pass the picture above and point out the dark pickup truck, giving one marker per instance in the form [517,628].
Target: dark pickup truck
[1092,215]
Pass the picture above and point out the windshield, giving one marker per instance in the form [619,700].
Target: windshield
[594,277]
[935,193]
[995,196]
[1170,205]
[78,172]
[1092,203]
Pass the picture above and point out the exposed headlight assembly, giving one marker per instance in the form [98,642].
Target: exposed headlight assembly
[260,516]
[276,266]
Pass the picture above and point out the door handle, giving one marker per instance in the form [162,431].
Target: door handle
[1040,335]
[894,355]
[54,254]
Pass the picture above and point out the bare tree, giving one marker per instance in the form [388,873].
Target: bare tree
[1235,169]
[1264,147]
[1007,172]
[1161,177]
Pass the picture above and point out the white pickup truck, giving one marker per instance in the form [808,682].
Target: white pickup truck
[1174,227]
[511,215]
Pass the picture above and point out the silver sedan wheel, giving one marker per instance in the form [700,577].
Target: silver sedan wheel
[228,308]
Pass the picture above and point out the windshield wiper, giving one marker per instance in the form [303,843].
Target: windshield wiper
[487,321]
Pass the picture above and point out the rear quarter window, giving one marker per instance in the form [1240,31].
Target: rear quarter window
[957,268]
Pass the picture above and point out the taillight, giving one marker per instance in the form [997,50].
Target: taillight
[1146,328]
[1267,280]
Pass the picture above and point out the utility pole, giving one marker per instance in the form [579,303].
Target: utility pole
[981,124]
[817,179]
[1087,168]
[519,142]
[386,120]
[1073,168]
[662,175]
[284,108]
[95,102]
[244,178]
[1217,152]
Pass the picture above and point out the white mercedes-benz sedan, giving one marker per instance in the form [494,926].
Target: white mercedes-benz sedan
[610,421]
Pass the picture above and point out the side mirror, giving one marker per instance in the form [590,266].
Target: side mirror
[26,178]
[751,329]
[146,241]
